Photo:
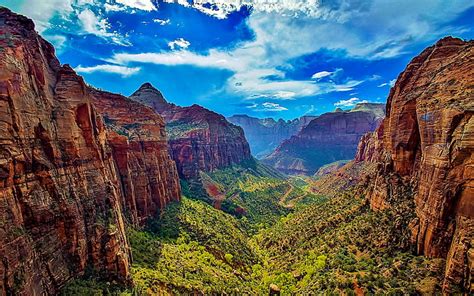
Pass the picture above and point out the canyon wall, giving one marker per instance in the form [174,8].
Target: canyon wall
[69,176]
[331,137]
[426,145]
[199,139]
[60,212]
[148,176]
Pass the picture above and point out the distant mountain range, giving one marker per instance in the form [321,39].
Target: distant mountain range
[328,138]
[264,135]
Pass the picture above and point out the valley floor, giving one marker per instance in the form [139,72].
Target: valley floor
[291,239]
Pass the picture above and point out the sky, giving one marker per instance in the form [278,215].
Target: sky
[263,58]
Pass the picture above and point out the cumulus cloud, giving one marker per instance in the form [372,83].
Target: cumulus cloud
[179,43]
[161,22]
[115,69]
[349,102]
[145,5]
[222,8]
[270,107]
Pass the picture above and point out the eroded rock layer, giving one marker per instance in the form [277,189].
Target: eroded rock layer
[148,176]
[331,137]
[60,212]
[200,140]
[426,145]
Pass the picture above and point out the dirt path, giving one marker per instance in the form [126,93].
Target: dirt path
[282,202]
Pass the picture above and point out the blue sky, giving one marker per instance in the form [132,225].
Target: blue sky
[264,58]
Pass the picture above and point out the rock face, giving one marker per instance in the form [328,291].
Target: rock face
[200,140]
[60,212]
[330,137]
[148,176]
[69,176]
[330,168]
[426,145]
[264,135]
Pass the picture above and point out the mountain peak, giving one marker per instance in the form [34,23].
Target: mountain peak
[149,95]
[147,85]
[377,109]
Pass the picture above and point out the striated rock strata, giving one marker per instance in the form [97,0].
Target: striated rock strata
[264,135]
[69,176]
[425,146]
[148,176]
[60,212]
[331,137]
[200,140]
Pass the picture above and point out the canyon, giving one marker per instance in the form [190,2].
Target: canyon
[91,198]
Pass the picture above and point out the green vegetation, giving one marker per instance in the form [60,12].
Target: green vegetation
[177,129]
[192,247]
[288,237]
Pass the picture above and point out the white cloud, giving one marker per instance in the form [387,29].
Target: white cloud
[59,41]
[309,109]
[255,105]
[250,67]
[349,102]
[375,77]
[92,24]
[179,43]
[121,70]
[42,11]
[321,74]
[161,22]
[145,5]
[284,31]
[222,8]
[113,7]
[270,107]
[99,26]
[390,83]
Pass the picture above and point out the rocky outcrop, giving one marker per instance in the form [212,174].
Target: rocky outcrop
[426,145]
[136,134]
[264,135]
[330,168]
[330,137]
[60,212]
[200,140]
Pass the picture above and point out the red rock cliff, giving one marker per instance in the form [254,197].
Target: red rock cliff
[148,176]
[199,138]
[426,144]
[59,209]
[330,137]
